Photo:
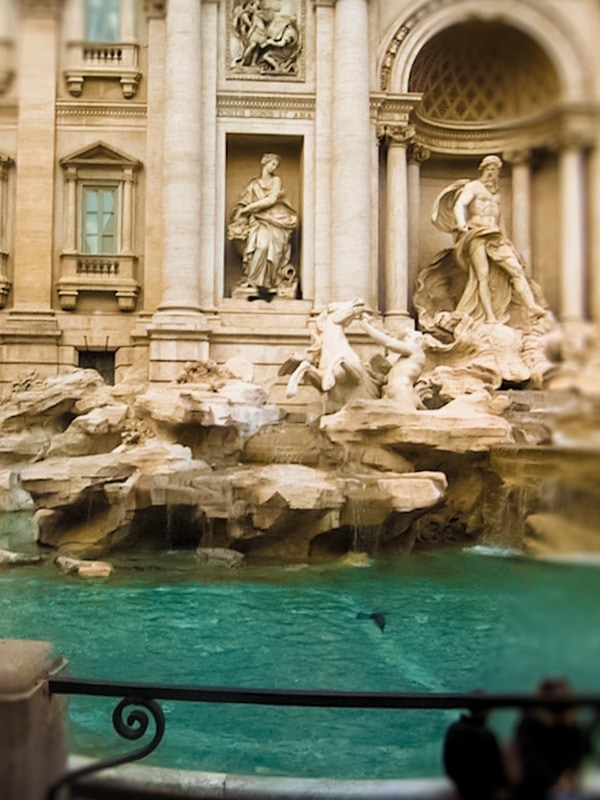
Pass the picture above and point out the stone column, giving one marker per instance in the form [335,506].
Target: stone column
[182,173]
[572,207]
[416,154]
[128,21]
[34,230]
[594,232]
[32,743]
[353,273]
[210,58]
[178,332]
[521,203]
[396,226]
[323,146]
[154,216]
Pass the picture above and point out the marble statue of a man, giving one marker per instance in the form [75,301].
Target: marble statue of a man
[470,209]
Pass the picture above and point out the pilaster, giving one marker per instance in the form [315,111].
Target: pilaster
[33,258]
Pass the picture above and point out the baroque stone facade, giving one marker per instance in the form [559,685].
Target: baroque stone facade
[129,130]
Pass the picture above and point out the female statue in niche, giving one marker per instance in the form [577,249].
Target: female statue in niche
[261,224]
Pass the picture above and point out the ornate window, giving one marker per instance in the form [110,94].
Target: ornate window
[102,45]
[98,251]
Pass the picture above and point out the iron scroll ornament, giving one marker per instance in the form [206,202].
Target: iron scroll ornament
[131,727]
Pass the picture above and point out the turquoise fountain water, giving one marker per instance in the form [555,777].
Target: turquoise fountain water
[456,621]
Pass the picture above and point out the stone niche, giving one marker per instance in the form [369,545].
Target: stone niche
[243,163]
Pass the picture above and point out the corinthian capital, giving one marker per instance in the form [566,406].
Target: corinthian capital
[395,134]
[155,9]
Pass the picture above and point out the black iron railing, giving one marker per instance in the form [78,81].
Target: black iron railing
[142,700]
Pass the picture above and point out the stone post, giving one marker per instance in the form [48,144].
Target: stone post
[416,154]
[396,226]
[521,203]
[210,295]
[182,173]
[353,274]
[572,206]
[127,33]
[323,143]
[395,132]
[32,743]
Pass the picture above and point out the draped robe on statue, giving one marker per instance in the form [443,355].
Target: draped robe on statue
[265,235]
[449,283]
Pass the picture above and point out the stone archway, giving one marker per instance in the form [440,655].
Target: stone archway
[482,72]
[547,27]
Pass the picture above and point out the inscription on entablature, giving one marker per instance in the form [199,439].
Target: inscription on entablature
[265,39]
[273,107]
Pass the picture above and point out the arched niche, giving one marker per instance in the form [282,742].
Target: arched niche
[548,27]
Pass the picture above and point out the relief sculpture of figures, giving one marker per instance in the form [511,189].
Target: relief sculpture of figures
[266,40]
[476,297]
[261,225]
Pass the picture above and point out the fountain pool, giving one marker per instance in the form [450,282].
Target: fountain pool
[455,621]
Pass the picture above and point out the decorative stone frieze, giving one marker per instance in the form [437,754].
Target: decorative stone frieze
[270,106]
[129,111]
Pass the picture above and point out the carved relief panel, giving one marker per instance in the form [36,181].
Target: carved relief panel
[266,39]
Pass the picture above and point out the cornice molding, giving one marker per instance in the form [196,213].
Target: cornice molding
[271,106]
[556,130]
[73,109]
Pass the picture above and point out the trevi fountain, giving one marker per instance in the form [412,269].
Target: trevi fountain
[211,534]
[478,426]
